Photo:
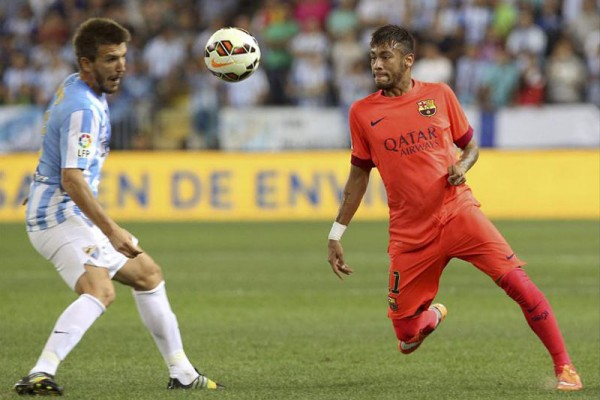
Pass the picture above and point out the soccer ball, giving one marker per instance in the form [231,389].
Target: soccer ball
[232,54]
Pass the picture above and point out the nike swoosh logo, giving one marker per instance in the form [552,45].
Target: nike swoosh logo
[66,333]
[511,256]
[408,346]
[373,123]
[219,65]
[566,383]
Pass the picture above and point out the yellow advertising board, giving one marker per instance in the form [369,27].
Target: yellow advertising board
[184,186]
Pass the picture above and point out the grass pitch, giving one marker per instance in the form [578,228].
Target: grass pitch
[261,312]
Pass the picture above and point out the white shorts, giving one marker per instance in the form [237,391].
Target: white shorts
[72,244]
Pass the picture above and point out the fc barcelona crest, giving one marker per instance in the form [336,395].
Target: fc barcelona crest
[426,107]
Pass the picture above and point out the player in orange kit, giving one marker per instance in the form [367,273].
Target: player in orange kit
[410,131]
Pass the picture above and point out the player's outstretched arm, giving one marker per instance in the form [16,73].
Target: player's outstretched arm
[74,183]
[456,172]
[353,193]
[336,259]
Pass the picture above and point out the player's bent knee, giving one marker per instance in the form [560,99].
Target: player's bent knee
[149,283]
[105,294]
[108,298]
[150,280]
[96,283]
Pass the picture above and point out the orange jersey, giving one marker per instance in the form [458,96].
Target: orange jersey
[411,140]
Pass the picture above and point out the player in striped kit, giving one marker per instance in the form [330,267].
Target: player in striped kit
[67,225]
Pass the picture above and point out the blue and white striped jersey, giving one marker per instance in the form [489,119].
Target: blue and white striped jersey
[76,135]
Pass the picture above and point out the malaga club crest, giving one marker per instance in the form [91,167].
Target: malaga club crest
[427,108]
[91,251]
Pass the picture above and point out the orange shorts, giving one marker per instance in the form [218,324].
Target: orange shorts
[415,273]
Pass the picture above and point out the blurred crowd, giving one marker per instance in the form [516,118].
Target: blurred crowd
[494,53]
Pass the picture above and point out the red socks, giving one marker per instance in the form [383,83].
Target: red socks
[538,313]
[535,306]
[409,328]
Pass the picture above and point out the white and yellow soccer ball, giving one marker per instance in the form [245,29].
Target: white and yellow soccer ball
[232,54]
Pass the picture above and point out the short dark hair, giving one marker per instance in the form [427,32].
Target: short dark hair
[95,32]
[391,34]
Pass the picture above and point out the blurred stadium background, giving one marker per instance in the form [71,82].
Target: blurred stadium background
[527,72]
[526,56]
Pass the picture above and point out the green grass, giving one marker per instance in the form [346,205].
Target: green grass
[260,310]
